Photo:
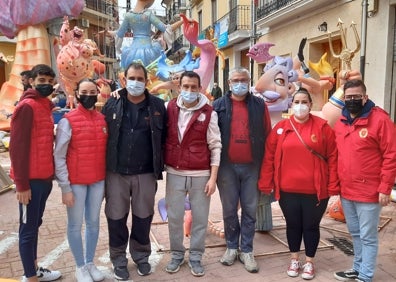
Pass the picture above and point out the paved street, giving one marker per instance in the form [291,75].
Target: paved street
[270,251]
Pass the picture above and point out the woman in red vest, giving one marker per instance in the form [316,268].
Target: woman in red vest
[80,148]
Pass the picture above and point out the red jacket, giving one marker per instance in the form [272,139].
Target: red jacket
[86,154]
[367,156]
[193,152]
[31,141]
[324,173]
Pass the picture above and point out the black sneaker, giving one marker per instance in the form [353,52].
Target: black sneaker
[346,275]
[143,268]
[174,265]
[196,268]
[121,273]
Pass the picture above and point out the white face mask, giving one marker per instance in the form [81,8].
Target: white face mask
[300,110]
[240,88]
[135,88]
[188,96]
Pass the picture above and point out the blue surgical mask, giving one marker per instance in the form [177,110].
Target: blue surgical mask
[240,88]
[189,97]
[135,88]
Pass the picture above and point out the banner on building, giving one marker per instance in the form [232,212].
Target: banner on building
[223,37]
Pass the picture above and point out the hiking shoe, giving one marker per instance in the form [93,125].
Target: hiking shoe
[346,275]
[294,268]
[250,263]
[143,268]
[82,274]
[121,273]
[229,256]
[196,268]
[308,271]
[44,274]
[174,265]
[95,273]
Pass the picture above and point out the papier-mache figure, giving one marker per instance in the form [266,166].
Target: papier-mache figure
[139,20]
[74,59]
[273,86]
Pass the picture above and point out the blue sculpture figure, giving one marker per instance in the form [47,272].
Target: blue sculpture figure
[143,48]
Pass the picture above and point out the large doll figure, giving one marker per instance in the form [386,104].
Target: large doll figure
[139,21]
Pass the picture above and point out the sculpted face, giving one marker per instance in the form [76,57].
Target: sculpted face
[273,85]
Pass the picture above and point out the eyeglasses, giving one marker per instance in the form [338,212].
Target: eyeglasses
[239,80]
[353,97]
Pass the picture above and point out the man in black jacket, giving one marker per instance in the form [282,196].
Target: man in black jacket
[136,122]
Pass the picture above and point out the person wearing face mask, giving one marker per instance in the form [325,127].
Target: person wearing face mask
[80,166]
[137,129]
[300,168]
[244,125]
[192,157]
[365,137]
[32,165]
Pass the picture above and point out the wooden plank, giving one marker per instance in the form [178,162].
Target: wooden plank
[5,181]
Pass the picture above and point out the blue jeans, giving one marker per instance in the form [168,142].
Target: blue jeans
[176,189]
[362,220]
[237,183]
[87,203]
[28,232]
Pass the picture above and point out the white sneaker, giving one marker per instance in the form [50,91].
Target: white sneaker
[250,263]
[229,256]
[294,268]
[82,274]
[44,274]
[96,274]
[308,271]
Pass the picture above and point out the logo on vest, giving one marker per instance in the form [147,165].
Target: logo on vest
[363,133]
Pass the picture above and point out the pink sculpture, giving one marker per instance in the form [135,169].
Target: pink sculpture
[208,50]
[74,59]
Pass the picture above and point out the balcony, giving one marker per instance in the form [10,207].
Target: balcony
[282,11]
[176,8]
[181,44]
[239,24]
[195,2]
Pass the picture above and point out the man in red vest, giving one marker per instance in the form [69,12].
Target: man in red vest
[31,154]
[192,158]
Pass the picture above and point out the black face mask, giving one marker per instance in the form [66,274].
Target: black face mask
[354,106]
[45,89]
[88,101]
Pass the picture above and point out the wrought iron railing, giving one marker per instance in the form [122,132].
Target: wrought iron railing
[271,7]
[239,18]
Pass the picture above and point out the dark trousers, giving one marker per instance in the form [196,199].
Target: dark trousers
[303,214]
[28,231]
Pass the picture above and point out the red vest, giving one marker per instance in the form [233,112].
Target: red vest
[193,152]
[86,154]
[41,147]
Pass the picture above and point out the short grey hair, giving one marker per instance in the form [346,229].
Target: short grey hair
[239,70]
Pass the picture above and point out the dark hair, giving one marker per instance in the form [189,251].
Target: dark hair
[85,80]
[302,90]
[355,83]
[191,74]
[42,69]
[136,66]
[27,73]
